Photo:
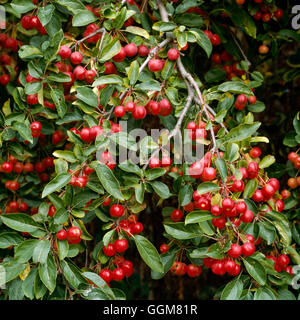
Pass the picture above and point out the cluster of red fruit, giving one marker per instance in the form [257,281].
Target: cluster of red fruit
[202,169]
[72,235]
[265,14]
[196,131]
[241,101]
[79,72]
[124,268]
[162,108]
[130,226]
[156,64]
[18,167]
[8,44]
[226,58]
[180,269]
[294,158]
[213,37]
[155,162]
[16,206]
[281,263]
[33,22]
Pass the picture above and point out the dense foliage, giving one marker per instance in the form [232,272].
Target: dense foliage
[88,201]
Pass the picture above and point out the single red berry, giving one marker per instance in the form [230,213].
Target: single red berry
[109,250]
[255,152]
[173,54]
[164,248]
[143,51]
[155,65]
[176,215]
[51,211]
[62,234]
[118,274]
[121,245]
[64,52]
[120,56]
[248,249]
[76,57]
[131,49]
[106,275]
[116,210]
[119,111]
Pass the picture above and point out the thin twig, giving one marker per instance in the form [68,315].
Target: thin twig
[101,44]
[153,52]
[87,37]
[240,48]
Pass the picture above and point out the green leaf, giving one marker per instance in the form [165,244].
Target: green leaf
[110,50]
[24,250]
[267,232]
[59,100]
[256,270]
[235,87]
[167,260]
[8,239]
[133,72]
[72,5]
[28,284]
[148,253]
[23,130]
[100,283]
[62,249]
[48,273]
[66,155]
[33,87]
[108,79]
[206,187]
[242,20]
[45,14]
[168,69]
[185,195]
[183,232]
[27,52]
[58,77]
[150,85]
[41,250]
[242,131]
[57,183]
[154,173]
[108,179]
[139,31]
[232,152]
[72,274]
[83,18]
[20,222]
[162,26]
[264,294]
[161,189]
[266,162]
[222,168]
[202,40]
[250,188]
[232,290]
[284,231]
[87,95]
[129,166]
[198,216]
[22,6]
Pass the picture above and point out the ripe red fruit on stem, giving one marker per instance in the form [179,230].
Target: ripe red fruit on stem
[116,210]
[76,57]
[173,54]
[131,49]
